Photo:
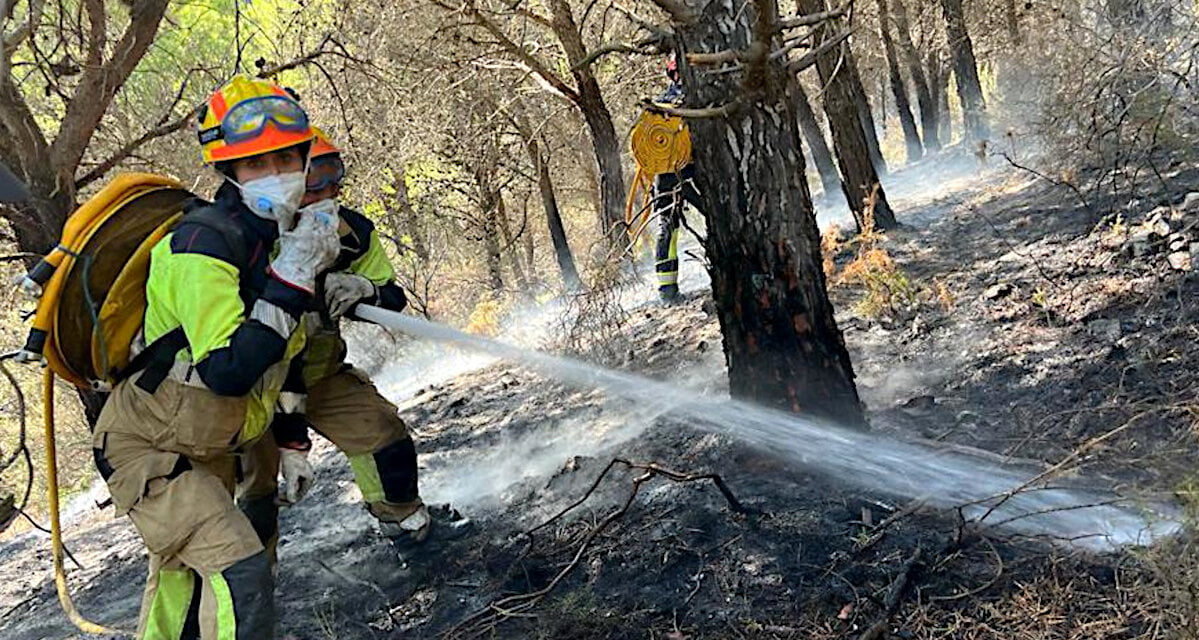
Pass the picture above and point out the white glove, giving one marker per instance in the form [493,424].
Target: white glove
[298,475]
[308,249]
[344,290]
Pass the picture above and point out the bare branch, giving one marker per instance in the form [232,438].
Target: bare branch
[811,19]
[719,57]
[808,59]
[274,70]
[22,33]
[646,46]
[97,31]
[723,110]
[128,148]
[100,84]
[520,53]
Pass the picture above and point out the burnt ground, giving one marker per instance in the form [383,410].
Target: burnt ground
[1050,341]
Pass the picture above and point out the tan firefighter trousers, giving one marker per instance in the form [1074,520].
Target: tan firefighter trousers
[170,464]
[349,411]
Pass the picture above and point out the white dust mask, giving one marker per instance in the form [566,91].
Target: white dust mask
[275,197]
[325,213]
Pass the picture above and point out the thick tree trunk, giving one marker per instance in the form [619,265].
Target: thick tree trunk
[911,136]
[965,71]
[829,178]
[780,339]
[607,156]
[860,181]
[930,128]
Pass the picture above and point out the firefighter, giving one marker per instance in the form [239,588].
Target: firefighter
[222,323]
[670,191]
[337,400]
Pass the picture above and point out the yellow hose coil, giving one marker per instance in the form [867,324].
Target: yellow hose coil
[661,143]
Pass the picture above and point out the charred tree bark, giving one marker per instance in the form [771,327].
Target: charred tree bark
[817,146]
[562,252]
[965,71]
[930,128]
[911,136]
[782,345]
[863,191]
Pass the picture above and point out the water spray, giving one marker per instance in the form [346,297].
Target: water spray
[1017,499]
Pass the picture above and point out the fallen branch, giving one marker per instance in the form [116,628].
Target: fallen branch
[894,594]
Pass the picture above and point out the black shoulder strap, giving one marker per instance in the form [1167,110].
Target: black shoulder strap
[218,221]
[159,356]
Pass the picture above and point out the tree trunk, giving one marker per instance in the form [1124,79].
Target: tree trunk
[1012,22]
[911,136]
[865,115]
[518,269]
[829,178]
[938,77]
[562,252]
[549,202]
[590,101]
[489,201]
[408,221]
[860,181]
[965,71]
[529,240]
[782,345]
[929,125]
[491,249]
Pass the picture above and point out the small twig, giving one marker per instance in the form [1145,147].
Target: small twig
[19,256]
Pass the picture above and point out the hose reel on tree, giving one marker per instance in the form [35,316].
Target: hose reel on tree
[660,143]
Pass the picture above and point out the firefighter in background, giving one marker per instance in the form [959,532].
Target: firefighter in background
[670,191]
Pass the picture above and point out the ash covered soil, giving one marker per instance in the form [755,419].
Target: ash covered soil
[1044,334]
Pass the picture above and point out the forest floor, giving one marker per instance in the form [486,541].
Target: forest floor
[1037,330]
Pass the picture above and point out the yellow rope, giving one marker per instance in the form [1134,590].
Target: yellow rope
[60,573]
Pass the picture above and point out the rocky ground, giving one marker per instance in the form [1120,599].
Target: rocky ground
[1041,330]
